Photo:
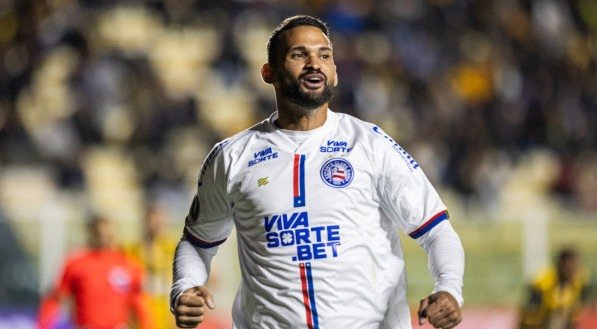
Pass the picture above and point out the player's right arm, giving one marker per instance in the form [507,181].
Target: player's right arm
[207,225]
[190,309]
[189,295]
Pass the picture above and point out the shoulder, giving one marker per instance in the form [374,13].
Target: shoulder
[77,257]
[120,257]
[364,132]
[371,132]
[348,121]
[133,263]
[368,134]
[545,279]
[76,263]
[240,138]
[236,143]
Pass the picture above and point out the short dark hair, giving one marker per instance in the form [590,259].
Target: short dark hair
[567,253]
[94,220]
[290,23]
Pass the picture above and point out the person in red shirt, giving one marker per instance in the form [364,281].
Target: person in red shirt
[103,283]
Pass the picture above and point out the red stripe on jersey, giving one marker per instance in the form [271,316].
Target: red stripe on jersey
[431,223]
[306,296]
[296,174]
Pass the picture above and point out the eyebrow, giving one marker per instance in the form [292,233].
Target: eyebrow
[303,48]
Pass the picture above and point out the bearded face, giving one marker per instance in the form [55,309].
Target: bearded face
[306,73]
[295,92]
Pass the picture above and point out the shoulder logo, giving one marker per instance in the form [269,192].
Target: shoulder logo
[410,162]
[337,172]
[211,158]
[263,155]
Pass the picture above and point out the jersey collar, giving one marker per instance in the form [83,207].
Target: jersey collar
[314,136]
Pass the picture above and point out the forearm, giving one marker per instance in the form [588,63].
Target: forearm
[191,268]
[446,259]
[49,310]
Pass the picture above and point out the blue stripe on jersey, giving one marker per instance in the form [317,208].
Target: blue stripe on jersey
[195,241]
[312,297]
[431,223]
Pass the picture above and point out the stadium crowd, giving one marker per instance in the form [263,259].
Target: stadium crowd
[470,87]
[121,100]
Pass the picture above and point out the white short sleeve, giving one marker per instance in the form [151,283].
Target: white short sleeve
[209,221]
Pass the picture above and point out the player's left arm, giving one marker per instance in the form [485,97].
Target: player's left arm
[446,264]
[410,200]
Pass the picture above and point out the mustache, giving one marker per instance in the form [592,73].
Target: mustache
[313,72]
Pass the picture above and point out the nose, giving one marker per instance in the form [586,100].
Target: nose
[313,62]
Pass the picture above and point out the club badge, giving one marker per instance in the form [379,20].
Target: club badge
[337,173]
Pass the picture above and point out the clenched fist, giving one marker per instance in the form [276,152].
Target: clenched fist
[190,309]
[441,310]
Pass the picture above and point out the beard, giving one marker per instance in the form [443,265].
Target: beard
[291,91]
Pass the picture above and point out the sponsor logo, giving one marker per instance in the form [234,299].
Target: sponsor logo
[410,162]
[211,158]
[263,155]
[335,147]
[293,230]
[262,181]
[337,173]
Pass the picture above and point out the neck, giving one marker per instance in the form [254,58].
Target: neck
[102,248]
[297,118]
[150,238]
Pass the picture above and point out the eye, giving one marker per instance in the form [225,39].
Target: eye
[325,55]
[297,55]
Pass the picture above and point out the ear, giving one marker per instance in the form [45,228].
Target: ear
[335,78]
[267,74]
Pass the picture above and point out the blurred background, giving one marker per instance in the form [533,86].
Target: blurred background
[110,107]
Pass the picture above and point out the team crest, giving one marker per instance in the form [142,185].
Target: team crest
[337,173]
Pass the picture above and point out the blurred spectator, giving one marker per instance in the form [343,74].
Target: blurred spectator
[104,284]
[156,253]
[163,80]
[557,294]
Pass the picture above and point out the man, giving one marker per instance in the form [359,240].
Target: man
[104,284]
[556,295]
[155,252]
[316,198]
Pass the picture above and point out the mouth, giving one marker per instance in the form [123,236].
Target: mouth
[313,81]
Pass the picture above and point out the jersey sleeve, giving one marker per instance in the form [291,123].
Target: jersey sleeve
[209,221]
[406,195]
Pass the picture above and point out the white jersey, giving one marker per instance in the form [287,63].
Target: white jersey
[316,223]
